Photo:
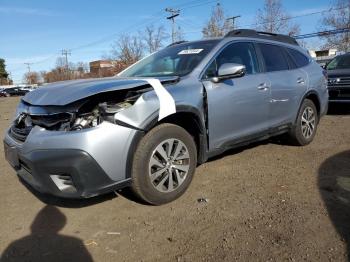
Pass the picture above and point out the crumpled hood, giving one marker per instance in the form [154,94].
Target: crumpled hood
[66,92]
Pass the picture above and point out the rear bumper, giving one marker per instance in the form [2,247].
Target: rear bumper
[75,164]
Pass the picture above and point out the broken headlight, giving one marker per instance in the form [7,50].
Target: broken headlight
[102,112]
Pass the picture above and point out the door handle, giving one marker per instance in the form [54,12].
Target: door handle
[300,80]
[263,86]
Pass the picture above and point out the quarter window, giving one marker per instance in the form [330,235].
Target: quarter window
[274,58]
[299,59]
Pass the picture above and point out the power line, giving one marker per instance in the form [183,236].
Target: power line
[288,18]
[29,77]
[294,17]
[200,4]
[187,23]
[184,5]
[297,16]
[181,7]
[323,33]
[156,17]
[28,66]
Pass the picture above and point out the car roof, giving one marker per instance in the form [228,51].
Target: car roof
[213,39]
[262,35]
[242,34]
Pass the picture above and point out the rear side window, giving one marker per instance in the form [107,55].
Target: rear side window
[299,59]
[274,58]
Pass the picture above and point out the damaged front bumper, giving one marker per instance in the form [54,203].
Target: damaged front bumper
[75,164]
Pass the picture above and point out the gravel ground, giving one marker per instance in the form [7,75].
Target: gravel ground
[265,202]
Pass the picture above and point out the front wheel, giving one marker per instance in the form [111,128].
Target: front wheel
[305,127]
[164,164]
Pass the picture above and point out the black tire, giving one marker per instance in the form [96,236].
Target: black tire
[296,134]
[142,185]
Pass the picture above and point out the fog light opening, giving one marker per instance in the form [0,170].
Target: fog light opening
[64,183]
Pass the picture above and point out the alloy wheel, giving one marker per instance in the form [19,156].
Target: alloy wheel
[169,165]
[308,122]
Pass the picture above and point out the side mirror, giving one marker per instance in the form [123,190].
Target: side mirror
[229,70]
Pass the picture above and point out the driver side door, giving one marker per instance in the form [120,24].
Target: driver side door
[238,107]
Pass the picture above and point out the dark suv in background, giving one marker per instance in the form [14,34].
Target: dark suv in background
[338,71]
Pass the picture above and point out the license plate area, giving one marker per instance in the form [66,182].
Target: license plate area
[11,155]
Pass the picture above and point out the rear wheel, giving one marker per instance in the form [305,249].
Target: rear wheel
[305,127]
[164,164]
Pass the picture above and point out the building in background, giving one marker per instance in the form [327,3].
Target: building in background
[324,56]
[103,68]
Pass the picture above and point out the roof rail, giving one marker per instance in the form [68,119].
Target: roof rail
[177,43]
[262,35]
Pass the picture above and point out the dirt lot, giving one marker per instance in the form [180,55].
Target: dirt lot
[266,202]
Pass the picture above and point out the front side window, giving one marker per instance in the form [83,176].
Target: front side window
[340,62]
[238,53]
[274,58]
[176,60]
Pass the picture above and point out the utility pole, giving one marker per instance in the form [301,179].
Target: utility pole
[233,18]
[28,67]
[66,53]
[173,13]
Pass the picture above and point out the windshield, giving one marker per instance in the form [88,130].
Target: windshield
[177,60]
[340,62]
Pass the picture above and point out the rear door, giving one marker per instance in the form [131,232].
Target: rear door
[301,70]
[285,81]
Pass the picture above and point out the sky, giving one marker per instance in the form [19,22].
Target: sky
[36,31]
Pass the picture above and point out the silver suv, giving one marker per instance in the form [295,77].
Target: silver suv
[150,126]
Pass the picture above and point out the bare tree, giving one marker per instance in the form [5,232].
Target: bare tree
[274,19]
[127,49]
[32,78]
[82,67]
[60,62]
[337,18]
[43,75]
[77,70]
[217,25]
[153,38]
